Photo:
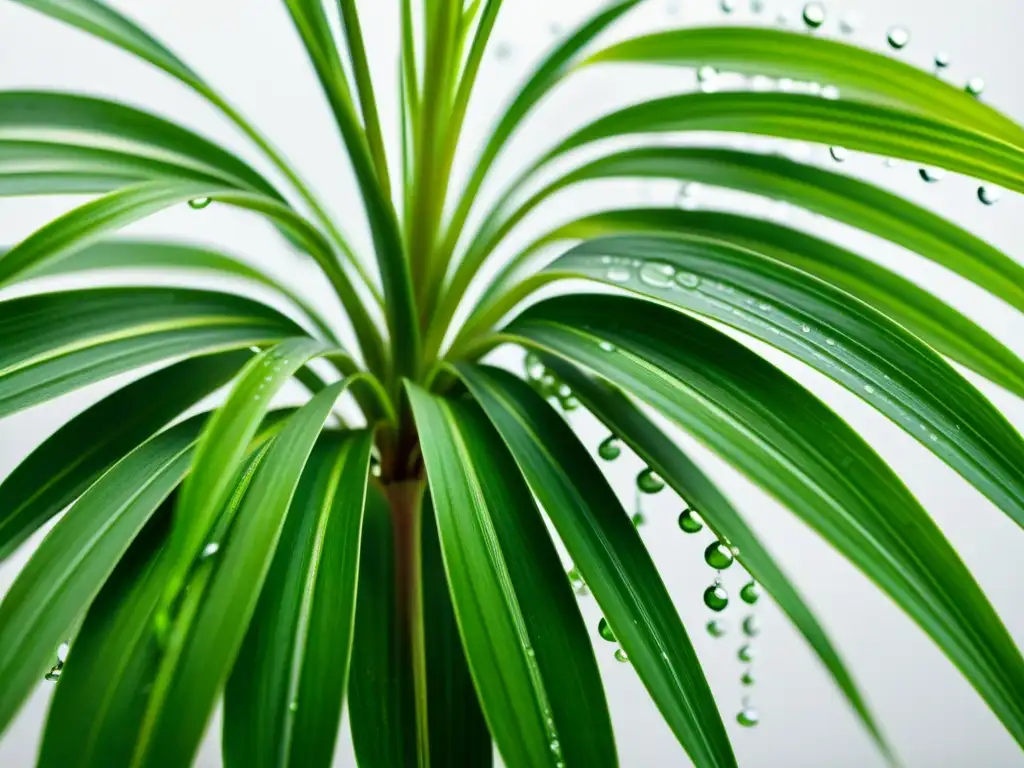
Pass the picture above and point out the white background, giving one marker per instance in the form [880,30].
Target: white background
[249,50]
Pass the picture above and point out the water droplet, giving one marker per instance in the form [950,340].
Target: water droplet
[756,6]
[610,448]
[687,279]
[569,404]
[564,390]
[706,73]
[649,481]
[62,653]
[805,328]
[748,717]
[198,203]
[814,15]
[210,550]
[606,346]
[54,674]
[988,195]
[718,556]
[750,593]
[534,367]
[638,519]
[727,6]
[747,678]
[575,577]
[848,24]
[293,706]
[658,274]
[898,38]
[931,175]
[605,631]
[830,342]
[716,628]
[830,92]
[746,653]
[716,598]
[530,652]
[618,274]
[975,86]
[782,20]
[839,154]
[555,746]
[620,656]
[690,521]
[941,60]
[751,627]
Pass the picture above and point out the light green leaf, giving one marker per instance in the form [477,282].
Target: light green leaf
[525,642]
[770,428]
[214,614]
[627,422]
[382,703]
[834,333]
[606,548]
[76,455]
[283,699]
[856,72]
[458,735]
[54,343]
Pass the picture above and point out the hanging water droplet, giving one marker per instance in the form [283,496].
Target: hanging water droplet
[564,391]
[638,519]
[687,279]
[716,598]
[931,175]
[746,653]
[548,386]
[534,367]
[658,274]
[210,550]
[814,15]
[575,577]
[751,627]
[898,37]
[988,195]
[750,593]
[690,521]
[605,630]
[606,346]
[620,656]
[839,154]
[569,404]
[716,628]
[618,274]
[649,481]
[727,6]
[975,86]
[848,24]
[941,61]
[748,717]
[610,448]
[718,556]
[198,203]
[747,678]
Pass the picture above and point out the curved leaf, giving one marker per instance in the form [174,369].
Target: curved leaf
[76,455]
[628,423]
[283,700]
[605,546]
[54,343]
[855,125]
[834,333]
[525,641]
[858,73]
[91,123]
[770,428]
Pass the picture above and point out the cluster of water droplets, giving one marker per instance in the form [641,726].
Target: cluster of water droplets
[548,385]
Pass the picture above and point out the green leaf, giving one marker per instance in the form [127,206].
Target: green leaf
[834,333]
[458,735]
[70,121]
[223,448]
[57,342]
[283,699]
[770,428]
[214,615]
[76,455]
[854,125]
[627,422]
[858,73]
[382,703]
[525,641]
[606,548]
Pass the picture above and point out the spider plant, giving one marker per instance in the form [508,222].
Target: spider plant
[288,560]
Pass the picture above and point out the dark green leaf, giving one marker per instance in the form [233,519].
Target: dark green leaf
[525,641]
[606,548]
[770,428]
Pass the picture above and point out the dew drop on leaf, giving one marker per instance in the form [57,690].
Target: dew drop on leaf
[814,15]
[718,556]
[898,38]
[618,274]
[210,550]
[716,598]
[931,175]
[988,195]
[620,656]
[975,86]
[690,521]
[941,60]
[198,203]
[649,481]
[605,631]
[658,274]
[750,593]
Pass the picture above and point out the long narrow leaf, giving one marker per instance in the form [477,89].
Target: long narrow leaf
[605,546]
[525,642]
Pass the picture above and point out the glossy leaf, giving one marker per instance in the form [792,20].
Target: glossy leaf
[831,331]
[54,343]
[770,428]
[605,547]
[857,73]
[525,641]
[382,704]
[627,422]
[283,699]
[76,455]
